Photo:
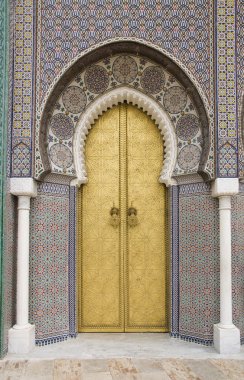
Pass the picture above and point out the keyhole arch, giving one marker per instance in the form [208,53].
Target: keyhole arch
[136,98]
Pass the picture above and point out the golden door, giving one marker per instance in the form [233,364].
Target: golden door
[122,257]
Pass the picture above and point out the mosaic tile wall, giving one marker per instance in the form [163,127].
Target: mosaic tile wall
[135,72]
[183,29]
[238,260]
[9,294]
[240,44]
[67,28]
[173,262]
[3,154]
[49,263]
[10,86]
[198,263]
[226,96]
[23,93]
[240,75]
[72,262]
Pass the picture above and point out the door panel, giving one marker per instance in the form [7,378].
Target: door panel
[100,264]
[122,271]
[145,262]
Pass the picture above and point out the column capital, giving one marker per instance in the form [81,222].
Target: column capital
[23,186]
[168,182]
[77,182]
[225,187]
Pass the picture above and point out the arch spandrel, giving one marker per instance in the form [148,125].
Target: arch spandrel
[142,82]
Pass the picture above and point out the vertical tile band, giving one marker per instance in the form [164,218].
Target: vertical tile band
[72,262]
[175,261]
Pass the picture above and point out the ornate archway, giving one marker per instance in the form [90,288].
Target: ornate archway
[114,97]
[159,86]
[110,75]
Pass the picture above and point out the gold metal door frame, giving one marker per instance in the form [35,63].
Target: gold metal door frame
[124,324]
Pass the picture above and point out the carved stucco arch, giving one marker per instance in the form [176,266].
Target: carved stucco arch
[148,105]
[42,164]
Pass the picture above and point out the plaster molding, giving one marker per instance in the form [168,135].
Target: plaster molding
[23,186]
[225,187]
[148,105]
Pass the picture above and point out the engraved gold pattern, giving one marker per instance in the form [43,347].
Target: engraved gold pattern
[146,257]
[101,262]
[122,271]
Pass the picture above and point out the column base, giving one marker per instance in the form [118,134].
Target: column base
[21,340]
[227,340]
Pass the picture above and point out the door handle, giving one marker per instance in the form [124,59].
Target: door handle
[114,217]
[132,216]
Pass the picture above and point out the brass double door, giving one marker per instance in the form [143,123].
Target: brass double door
[121,258]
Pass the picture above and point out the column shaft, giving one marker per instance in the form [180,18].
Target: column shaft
[23,262]
[225,262]
[226,334]
[21,337]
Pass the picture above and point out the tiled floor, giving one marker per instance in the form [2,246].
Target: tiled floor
[123,356]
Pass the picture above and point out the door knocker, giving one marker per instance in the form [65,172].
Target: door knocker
[114,219]
[132,216]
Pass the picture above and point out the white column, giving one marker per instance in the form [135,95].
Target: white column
[226,334]
[22,334]
[225,261]
[22,301]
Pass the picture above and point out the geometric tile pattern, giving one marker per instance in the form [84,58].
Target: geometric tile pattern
[23,94]
[240,77]
[66,29]
[227,160]
[173,216]
[10,85]
[136,72]
[49,260]
[238,261]
[198,263]
[240,45]
[3,149]
[226,102]
[21,160]
[72,262]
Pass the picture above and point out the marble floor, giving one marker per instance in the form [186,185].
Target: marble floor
[123,356]
[120,345]
[122,369]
